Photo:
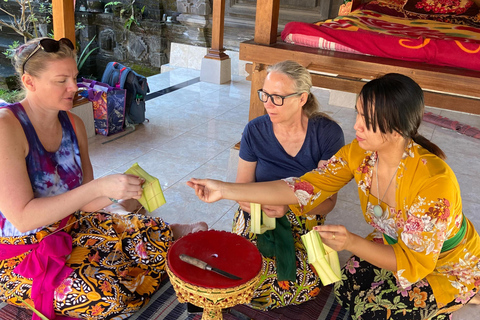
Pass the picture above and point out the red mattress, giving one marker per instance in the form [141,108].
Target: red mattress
[372,33]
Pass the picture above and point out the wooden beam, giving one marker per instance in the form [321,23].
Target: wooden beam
[63,13]
[456,81]
[432,99]
[444,87]
[266,21]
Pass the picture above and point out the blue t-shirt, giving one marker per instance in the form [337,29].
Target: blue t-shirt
[323,139]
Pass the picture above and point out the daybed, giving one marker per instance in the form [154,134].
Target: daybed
[448,83]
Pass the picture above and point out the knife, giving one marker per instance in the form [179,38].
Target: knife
[205,266]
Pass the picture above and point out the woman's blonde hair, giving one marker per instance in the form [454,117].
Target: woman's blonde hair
[36,63]
[302,82]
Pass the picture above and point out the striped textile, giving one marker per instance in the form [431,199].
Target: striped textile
[165,306]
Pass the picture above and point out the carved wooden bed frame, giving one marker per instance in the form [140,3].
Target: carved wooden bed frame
[444,87]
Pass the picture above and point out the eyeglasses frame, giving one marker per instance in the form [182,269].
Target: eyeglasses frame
[260,91]
[66,41]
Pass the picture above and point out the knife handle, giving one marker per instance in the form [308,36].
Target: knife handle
[193,261]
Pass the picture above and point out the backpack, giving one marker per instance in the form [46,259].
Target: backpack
[120,76]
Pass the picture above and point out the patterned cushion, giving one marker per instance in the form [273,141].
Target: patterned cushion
[451,11]
[388,7]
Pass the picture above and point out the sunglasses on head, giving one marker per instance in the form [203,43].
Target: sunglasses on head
[50,46]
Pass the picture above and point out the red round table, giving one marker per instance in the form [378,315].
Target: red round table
[207,289]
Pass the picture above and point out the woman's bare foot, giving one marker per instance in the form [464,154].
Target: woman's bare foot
[475,299]
[180,230]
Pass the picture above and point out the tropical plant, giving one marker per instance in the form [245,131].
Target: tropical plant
[86,52]
[25,24]
[45,9]
[112,3]
[11,49]
[132,19]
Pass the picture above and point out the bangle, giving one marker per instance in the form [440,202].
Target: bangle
[113,200]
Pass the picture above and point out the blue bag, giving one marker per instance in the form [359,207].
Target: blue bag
[120,76]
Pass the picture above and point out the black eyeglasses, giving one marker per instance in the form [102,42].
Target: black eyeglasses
[275,98]
[48,45]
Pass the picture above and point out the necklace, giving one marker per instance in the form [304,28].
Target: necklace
[377,209]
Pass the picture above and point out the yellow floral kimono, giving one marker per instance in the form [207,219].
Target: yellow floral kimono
[428,212]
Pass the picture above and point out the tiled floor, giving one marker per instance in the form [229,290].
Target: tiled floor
[191,133]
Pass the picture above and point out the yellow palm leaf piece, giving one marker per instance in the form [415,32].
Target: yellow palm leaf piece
[323,258]
[35,310]
[260,222]
[152,195]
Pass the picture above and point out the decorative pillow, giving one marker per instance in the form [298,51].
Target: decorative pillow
[388,7]
[451,11]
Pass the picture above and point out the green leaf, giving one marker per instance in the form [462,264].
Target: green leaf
[85,54]
[112,3]
[35,310]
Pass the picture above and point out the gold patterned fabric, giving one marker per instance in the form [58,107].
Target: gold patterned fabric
[118,263]
[270,292]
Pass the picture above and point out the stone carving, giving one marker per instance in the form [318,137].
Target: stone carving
[137,48]
[197,7]
[107,39]
[120,53]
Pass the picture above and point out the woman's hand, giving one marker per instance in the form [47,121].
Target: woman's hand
[245,206]
[274,211]
[339,238]
[207,190]
[121,186]
[336,237]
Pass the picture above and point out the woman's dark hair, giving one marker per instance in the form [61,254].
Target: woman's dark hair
[394,102]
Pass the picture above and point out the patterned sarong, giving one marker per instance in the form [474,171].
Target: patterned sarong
[270,292]
[117,261]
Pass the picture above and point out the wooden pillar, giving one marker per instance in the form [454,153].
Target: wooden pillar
[266,21]
[63,12]
[217,51]
[258,75]
[266,25]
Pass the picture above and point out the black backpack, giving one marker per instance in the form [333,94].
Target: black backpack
[136,86]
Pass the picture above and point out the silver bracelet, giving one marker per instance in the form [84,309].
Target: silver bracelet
[113,200]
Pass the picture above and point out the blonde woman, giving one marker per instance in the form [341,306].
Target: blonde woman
[56,248]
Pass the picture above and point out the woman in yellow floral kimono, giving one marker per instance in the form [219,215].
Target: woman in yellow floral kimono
[422,260]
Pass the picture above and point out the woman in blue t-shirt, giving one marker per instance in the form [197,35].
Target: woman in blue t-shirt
[291,139]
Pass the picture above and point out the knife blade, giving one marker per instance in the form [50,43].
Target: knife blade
[205,266]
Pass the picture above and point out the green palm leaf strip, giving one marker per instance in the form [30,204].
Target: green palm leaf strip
[323,258]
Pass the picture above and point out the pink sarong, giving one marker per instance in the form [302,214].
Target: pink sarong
[45,264]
